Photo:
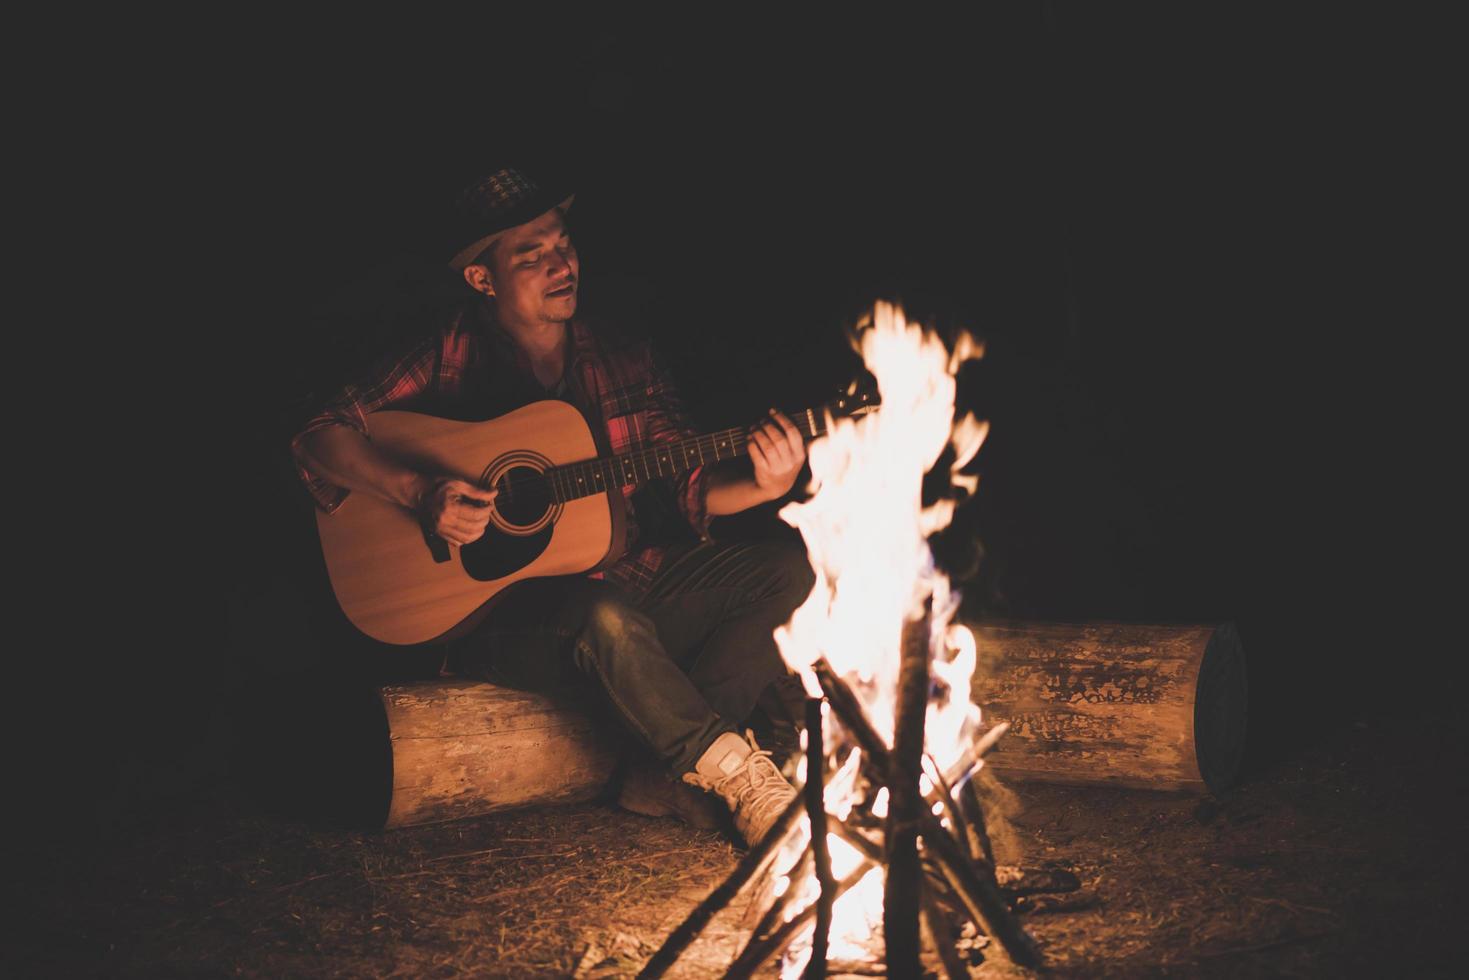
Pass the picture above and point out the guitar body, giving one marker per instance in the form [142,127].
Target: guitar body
[399,585]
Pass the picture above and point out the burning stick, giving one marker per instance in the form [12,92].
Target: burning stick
[906,805]
[969,807]
[753,861]
[846,707]
[970,803]
[975,753]
[940,930]
[775,914]
[760,951]
[957,820]
[982,898]
[816,811]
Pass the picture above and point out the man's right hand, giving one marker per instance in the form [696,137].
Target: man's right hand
[455,510]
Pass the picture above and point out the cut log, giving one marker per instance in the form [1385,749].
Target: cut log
[463,749]
[1151,707]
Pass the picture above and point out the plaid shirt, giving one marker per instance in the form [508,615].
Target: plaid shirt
[472,370]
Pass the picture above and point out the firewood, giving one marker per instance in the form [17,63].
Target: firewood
[760,951]
[821,855]
[981,896]
[906,804]
[749,865]
[1015,882]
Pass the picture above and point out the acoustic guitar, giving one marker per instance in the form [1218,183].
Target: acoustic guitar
[558,511]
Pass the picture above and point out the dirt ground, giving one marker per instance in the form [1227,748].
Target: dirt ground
[1343,860]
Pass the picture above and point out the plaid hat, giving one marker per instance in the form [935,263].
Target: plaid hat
[492,205]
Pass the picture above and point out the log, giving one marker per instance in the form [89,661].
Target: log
[464,749]
[1150,707]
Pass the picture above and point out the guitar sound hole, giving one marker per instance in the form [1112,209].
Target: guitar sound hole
[524,496]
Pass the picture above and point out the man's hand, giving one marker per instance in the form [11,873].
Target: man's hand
[455,510]
[778,452]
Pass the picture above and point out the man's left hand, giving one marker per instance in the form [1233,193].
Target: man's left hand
[778,452]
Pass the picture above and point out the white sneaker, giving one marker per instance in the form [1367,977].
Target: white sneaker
[748,781]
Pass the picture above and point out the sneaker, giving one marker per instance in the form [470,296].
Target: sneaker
[650,789]
[748,781]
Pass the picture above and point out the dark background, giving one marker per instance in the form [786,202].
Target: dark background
[1182,233]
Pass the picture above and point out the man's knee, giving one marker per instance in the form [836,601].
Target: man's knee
[611,627]
[790,576]
[609,617]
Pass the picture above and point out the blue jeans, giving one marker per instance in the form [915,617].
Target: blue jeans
[676,667]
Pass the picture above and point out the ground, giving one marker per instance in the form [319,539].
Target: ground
[1342,860]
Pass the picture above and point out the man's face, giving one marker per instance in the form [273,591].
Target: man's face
[533,271]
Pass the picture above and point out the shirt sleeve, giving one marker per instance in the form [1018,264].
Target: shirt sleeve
[393,380]
[668,422]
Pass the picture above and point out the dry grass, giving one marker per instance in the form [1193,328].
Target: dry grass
[1332,866]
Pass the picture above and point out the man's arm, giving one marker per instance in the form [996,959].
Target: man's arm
[335,456]
[346,458]
[457,511]
[777,453]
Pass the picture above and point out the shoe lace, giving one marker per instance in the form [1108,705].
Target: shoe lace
[764,787]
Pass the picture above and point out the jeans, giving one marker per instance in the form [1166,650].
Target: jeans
[676,667]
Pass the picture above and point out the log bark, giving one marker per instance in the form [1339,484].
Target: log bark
[1152,707]
[463,749]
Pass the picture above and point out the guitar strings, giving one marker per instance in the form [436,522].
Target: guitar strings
[562,483]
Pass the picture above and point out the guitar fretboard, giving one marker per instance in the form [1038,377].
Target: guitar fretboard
[591,476]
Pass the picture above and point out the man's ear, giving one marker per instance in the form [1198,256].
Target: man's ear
[478,277]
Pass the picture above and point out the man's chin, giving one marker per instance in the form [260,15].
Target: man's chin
[560,310]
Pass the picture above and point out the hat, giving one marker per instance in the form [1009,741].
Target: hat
[492,205]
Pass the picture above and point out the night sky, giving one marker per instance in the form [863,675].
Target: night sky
[1155,218]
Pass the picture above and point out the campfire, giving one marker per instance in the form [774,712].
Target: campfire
[889,834]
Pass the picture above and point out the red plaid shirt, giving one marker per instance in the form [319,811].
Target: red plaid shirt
[473,370]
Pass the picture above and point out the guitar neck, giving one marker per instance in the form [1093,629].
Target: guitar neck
[591,476]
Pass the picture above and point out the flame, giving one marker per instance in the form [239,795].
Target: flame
[866,530]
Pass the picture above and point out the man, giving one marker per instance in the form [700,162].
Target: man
[674,638]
